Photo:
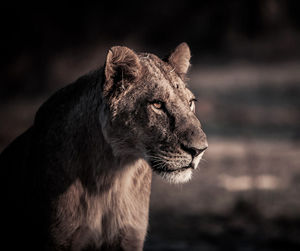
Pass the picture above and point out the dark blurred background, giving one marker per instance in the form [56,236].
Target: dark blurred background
[245,195]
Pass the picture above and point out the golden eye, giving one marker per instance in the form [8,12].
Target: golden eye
[157,105]
[192,105]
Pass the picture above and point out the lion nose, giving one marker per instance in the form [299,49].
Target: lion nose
[193,150]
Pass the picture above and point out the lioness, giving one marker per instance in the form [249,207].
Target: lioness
[79,178]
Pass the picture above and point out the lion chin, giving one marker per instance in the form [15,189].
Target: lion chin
[178,176]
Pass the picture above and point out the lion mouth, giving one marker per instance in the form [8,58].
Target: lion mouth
[178,170]
[178,175]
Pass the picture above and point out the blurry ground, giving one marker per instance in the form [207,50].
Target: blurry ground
[245,195]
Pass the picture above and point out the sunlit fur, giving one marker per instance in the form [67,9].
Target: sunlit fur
[177,176]
[160,116]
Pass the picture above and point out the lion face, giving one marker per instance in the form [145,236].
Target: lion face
[151,112]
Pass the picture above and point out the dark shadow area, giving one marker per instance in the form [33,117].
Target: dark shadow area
[36,42]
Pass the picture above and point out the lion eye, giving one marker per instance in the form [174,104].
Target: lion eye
[157,105]
[192,105]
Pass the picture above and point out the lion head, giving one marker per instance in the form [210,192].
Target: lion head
[149,112]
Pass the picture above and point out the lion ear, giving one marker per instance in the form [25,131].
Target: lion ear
[121,64]
[180,58]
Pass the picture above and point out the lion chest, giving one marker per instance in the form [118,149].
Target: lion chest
[93,219]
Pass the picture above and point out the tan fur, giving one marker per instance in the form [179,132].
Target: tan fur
[124,59]
[91,216]
[180,58]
